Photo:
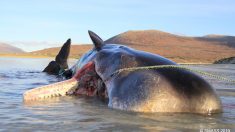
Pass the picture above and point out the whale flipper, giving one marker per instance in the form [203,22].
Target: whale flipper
[97,41]
[63,55]
[52,68]
[60,63]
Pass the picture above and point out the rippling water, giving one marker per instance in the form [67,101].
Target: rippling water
[89,114]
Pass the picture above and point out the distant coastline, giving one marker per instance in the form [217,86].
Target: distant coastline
[25,56]
[181,49]
[28,55]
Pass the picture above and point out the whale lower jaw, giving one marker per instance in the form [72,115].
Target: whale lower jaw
[85,82]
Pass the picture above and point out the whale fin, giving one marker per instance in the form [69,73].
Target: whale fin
[60,63]
[52,68]
[97,41]
[63,55]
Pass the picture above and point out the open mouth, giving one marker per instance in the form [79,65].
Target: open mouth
[90,83]
[85,82]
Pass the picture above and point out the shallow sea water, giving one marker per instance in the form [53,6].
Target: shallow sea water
[90,114]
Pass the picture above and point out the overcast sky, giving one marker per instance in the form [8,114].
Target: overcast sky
[37,24]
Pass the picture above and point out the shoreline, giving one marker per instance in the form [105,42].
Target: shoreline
[24,56]
[44,56]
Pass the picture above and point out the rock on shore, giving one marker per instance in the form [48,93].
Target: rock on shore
[230,60]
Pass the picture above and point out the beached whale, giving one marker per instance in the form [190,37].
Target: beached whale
[152,90]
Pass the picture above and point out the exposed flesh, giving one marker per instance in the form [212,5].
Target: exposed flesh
[84,82]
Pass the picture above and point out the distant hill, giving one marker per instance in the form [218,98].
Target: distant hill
[76,50]
[205,49]
[222,39]
[9,49]
[182,49]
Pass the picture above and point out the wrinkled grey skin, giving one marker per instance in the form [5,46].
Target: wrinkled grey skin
[161,90]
